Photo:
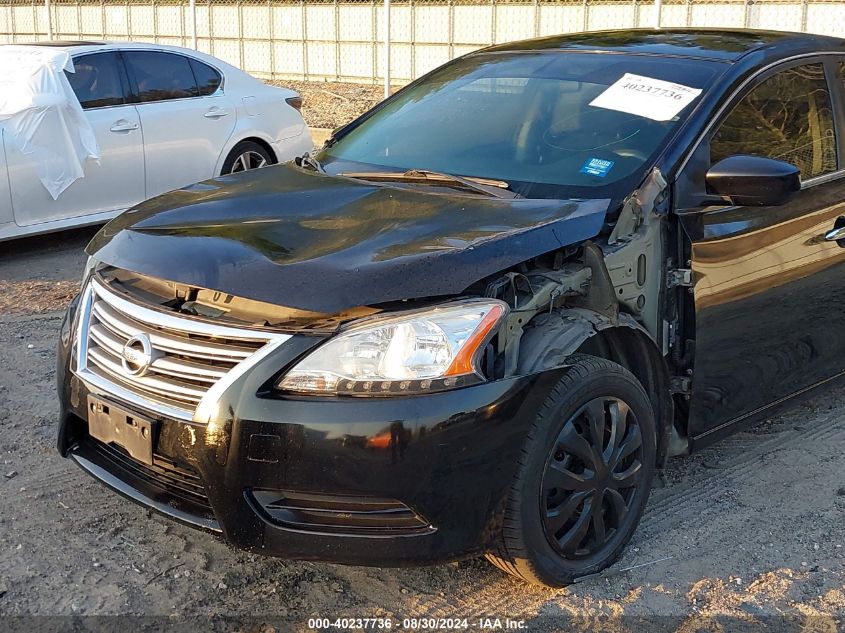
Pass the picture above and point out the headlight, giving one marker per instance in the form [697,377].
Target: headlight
[417,352]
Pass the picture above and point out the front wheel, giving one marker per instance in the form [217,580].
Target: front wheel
[244,156]
[584,477]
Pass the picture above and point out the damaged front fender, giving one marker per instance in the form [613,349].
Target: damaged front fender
[553,337]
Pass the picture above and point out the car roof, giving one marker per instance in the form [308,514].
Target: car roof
[61,43]
[78,47]
[715,44]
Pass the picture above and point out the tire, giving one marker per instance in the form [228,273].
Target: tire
[551,530]
[245,156]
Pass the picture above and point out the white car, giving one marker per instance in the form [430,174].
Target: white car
[164,117]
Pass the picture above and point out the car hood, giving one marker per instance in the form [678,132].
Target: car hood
[323,243]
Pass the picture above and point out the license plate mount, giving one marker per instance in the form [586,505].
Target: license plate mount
[109,423]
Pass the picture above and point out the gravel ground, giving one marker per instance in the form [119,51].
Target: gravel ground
[331,104]
[754,526]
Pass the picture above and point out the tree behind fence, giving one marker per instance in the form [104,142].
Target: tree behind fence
[343,40]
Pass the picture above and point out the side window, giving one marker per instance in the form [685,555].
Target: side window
[208,79]
[97,80]
[788,117]
[161,76]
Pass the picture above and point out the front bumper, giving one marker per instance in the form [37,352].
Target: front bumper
[448,457]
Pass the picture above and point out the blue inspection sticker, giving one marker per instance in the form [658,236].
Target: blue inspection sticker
[597,167]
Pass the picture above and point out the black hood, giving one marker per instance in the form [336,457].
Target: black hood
[300,239]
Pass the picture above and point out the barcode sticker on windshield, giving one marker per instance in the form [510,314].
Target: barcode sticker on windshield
[644,96]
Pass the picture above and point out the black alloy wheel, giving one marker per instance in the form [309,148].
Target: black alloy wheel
[583,477]
[591,477]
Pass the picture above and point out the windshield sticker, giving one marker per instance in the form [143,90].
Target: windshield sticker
[597,167]
[644,96]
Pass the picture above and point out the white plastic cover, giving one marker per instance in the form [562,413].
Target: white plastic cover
[41,116]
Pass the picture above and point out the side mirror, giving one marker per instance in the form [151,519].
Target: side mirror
[754,180]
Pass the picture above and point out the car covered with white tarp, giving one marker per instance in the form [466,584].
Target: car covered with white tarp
[89,129]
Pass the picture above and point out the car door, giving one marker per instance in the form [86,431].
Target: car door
[113,183]
[769,286]
[186,121]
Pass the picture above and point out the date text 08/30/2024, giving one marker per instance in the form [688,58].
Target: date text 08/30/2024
[411,624]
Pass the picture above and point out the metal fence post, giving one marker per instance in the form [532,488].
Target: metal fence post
[155,22]
[337,40]
[413,9]
[78,22]
[241,54]
[451,29]
[304,40]
[386,48]
[12,22]
[271,16]
[374,40]
[49,20]
[658,7]
[493,20]
[128,21]
[193,7]
[210,22]
[804,4]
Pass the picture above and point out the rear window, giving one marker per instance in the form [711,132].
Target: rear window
[208,79]
[97,80]
[161,76]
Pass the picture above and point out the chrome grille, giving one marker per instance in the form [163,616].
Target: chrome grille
[193,361]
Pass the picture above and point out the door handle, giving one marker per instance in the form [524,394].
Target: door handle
[837,233]
[123,126]
[216,113]
[834,235]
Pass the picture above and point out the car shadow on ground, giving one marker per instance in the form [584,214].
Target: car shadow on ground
[52,255]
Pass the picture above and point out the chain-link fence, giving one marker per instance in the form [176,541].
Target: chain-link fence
[344,39]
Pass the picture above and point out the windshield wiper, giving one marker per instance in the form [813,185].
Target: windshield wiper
[485,186]
[306,161]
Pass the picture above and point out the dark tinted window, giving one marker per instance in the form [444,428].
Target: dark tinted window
[96,81]
[208,79]
[788,117]
[161,76]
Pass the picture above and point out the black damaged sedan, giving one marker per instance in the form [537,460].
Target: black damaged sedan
[485,313]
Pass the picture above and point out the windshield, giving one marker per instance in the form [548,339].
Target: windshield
[526,118]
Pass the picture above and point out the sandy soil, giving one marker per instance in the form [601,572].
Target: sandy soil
[754,526]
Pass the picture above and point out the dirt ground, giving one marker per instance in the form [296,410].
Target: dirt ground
[747,535]
[754,527]
[327,104]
